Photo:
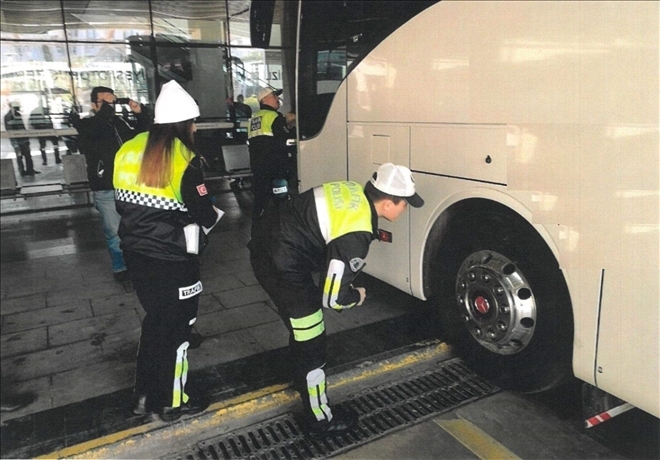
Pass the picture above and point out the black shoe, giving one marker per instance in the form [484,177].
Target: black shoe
[23,173]
[342,421]
[32,172]
[58,161]
[12,403]
[122,276]
[140,407]
[192,407]
[44,163]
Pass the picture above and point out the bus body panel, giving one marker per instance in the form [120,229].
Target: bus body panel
[368,146]
[574,87]
[323,158]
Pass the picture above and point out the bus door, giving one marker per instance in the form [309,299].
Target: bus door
[369,146]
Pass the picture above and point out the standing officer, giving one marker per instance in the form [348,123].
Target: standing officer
[267,136]
[326,229]
[165,213]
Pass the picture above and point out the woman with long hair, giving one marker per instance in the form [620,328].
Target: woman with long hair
[165,214]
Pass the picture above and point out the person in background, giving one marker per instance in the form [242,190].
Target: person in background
[243,111]
[326,229]
[166,212]
[99,138]
[269,161]
[70,141]
[40,119]
[21,145]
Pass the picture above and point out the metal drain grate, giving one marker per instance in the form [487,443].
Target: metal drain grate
[382,410]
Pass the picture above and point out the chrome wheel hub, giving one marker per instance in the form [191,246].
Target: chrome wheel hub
[496,301]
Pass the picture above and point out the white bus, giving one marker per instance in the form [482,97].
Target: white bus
[532,132]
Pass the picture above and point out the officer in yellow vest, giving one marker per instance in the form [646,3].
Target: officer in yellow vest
[326,229]
[267,144]
[165,213]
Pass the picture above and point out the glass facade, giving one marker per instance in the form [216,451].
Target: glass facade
[55,52]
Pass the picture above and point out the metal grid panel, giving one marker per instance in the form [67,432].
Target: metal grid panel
[382,410]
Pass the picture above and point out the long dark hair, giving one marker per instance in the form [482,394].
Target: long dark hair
[156,168]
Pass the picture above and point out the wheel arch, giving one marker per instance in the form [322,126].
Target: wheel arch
[481,200]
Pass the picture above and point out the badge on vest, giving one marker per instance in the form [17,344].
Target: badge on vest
[356,264]
[255,124]
[190,291]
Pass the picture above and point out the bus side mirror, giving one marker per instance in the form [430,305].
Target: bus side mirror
[261,22]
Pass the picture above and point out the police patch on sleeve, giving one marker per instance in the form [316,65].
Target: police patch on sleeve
[190,291]
[356,264]
[201,189]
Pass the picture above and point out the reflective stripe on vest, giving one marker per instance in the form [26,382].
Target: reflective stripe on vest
[342,208]
[261,123]
[127,167]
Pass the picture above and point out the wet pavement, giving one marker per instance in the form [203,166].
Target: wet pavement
[69,335]
[70,332]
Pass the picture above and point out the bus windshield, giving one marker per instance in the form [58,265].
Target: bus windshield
[334,37]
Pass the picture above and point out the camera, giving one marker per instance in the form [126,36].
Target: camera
[122,100]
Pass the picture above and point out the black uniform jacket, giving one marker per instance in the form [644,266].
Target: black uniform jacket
[298,248]
[99,138]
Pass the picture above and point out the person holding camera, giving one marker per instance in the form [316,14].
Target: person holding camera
[99,138]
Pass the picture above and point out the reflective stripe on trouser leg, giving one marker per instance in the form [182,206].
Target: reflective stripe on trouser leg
[318,400]
[308,327]
[180,376]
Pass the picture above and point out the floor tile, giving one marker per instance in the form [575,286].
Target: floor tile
[47,316]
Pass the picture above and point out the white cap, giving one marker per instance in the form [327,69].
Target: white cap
[174,104]
[397,180]
[263,92]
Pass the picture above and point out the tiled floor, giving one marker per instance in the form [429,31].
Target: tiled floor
[69,332]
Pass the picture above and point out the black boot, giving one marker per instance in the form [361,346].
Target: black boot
[13,402]
[342,420]
[58,160]
[192,407]
[21,168]
[140,407]
[43,157]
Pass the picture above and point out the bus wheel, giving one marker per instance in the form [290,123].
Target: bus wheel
[504,302]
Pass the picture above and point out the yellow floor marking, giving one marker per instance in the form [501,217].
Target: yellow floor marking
[476,440]
[233,409]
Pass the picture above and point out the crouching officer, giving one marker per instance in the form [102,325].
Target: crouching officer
[326,229]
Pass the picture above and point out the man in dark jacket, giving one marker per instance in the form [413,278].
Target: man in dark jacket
[14,122]
[269,159]
[327,229]
[99,138]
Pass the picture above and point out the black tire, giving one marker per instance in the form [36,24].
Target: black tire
[528,349]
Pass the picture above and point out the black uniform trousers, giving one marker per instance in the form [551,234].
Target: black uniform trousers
[22,150]
[169,293]
[56,148]
[302,318]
